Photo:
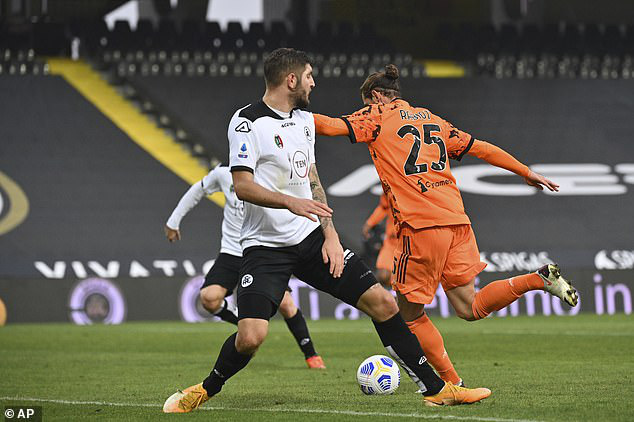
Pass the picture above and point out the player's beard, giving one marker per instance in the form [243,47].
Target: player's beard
[300,98]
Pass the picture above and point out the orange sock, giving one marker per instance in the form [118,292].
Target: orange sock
[434,347]
[501,293]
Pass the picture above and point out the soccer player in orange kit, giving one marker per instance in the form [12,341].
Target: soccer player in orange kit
[384,260]
[433,345]
[410,148]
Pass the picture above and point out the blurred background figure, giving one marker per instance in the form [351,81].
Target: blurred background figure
[385,260]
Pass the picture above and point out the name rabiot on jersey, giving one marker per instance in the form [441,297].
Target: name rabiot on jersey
[278,148]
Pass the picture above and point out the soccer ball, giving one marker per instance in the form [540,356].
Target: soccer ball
[378,375]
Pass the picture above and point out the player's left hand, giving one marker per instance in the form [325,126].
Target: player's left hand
[171,234]
[332,252]
[539,181]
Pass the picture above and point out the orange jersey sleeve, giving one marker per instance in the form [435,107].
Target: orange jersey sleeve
[364,125]
[496,156]
[330,126]
[379,213]
[457,141]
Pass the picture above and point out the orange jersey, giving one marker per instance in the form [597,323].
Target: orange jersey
[380,212]
[410,148]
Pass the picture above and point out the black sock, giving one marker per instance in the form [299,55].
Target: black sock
[299,329]
[403,346]
[229,362]
[227,314]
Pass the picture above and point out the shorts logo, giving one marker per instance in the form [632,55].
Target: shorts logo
[307,133]
[243,151]
[347,254]
[243,127]
[278,141]
[247,279]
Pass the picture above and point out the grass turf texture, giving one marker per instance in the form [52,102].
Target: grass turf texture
[540,368]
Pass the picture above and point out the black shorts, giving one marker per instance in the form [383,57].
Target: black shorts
[265,272]
[225,272]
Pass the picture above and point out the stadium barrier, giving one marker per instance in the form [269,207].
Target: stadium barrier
[113,301]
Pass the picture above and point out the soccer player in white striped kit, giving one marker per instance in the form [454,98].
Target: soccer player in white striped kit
[222,278]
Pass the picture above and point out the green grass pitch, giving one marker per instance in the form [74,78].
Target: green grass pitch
[539,369]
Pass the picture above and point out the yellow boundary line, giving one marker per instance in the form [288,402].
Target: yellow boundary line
[130,120]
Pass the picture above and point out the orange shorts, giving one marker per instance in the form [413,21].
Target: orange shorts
[386,255]
[425,257]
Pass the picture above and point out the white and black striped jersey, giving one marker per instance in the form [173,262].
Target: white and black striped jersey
[219,179]
[278,148]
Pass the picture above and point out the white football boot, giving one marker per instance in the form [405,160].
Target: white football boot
[556,285]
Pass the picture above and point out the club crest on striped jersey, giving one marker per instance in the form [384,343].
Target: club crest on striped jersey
[278,141]
[309,136]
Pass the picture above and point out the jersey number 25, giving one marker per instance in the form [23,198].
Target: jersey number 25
[410,166]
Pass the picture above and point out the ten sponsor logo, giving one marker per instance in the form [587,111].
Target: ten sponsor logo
[300,163]
[247,280]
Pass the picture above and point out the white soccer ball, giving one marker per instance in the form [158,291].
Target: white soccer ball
[378,374]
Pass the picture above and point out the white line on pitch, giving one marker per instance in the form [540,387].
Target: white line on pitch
[299,410]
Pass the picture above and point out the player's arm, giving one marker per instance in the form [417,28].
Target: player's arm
[378,215]
[332,251]
[248,190]
[460,143]
[361,126]
[207,185]
[330,126]
[496,156]
[189,200]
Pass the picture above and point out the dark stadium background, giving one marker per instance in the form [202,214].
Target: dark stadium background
[83,206]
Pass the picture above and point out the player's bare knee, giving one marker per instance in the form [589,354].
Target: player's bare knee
[248,343]
[287,308]
[211,299]
[378,303]
[466,314]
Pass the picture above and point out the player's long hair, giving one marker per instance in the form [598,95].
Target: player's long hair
[385,82]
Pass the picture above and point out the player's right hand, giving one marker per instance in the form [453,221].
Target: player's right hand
[171,234]
[308,208]
[365,230]
[539,181]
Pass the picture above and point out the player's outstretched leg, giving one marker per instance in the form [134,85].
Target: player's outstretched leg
[403,346]
[297,325]
[234,355]
[499,294]
[213,300]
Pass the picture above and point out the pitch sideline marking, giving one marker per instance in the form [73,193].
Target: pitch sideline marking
[131,121]
[315,411]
